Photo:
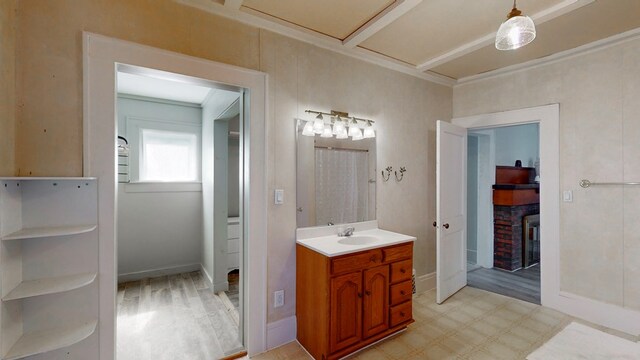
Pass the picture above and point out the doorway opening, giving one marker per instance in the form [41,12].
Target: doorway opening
[179,216]
[503,210]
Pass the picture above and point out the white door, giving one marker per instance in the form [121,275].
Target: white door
[451,211]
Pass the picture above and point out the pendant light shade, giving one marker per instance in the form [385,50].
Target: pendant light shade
[516,32]
[368,131]
[354,129]
[308,129]
[357,135]
[338,126]
[318,124]
[343,134]
[327,133]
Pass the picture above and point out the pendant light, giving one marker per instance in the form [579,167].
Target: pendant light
[308,129]
[327,133]
[318,124]
[517,31]
[368,131]
[343,134]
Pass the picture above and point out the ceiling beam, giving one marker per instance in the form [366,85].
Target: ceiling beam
[378,22]
[562,8]
[315,39]
[233,4]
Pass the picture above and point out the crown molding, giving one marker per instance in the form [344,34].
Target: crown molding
[316,39]
[555,58]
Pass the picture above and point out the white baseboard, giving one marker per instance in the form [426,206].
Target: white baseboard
[139,275]
[425,282]
[207,276]
[609,315]
[281,332]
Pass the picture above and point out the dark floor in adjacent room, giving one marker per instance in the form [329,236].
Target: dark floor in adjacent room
[523,284]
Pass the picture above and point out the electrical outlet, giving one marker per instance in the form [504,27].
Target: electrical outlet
[278,298]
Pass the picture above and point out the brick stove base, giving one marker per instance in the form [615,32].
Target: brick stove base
[507,230]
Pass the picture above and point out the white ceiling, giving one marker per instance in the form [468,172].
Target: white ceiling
[442,40]
[161,89]
[222,102]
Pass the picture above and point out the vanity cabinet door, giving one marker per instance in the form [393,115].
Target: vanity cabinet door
[375,301]
[346,311]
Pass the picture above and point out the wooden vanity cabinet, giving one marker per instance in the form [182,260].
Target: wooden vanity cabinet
[347,302]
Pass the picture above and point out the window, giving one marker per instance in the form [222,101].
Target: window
[168,156]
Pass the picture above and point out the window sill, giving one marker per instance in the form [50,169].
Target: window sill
[150,187]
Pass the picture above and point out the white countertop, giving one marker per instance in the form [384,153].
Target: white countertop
[328,245]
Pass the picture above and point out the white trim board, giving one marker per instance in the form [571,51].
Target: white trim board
[101,57]
[425,282]
[281,332]
[548,117]
[171,270]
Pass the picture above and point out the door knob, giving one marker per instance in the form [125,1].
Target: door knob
[446,226]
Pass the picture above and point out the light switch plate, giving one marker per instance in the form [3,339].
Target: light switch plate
[279,197]
[278,298]
[567,196]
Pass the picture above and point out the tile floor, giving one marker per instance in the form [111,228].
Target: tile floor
[473,324]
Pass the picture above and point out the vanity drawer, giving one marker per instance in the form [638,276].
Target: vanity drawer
[401,292]
[401,271]
[400,314]
[400,252]
[357,261]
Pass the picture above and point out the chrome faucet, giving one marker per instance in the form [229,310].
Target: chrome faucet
[347,232]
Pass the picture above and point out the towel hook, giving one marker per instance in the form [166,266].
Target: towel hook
[388,171]
[402,171]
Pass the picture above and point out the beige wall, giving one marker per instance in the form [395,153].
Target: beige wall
[599,140]
[7,89]
[301,76]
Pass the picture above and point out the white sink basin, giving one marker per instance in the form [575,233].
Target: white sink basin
[358,240]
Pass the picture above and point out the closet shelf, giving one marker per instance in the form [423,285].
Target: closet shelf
[43,341]
[46,231]
[46,286]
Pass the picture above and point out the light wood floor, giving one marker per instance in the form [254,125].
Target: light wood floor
[173,317]
[523,284]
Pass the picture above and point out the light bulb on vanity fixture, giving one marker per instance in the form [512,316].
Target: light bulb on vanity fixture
[368,131]
[517,31]
[327,133]
[308,129]
[354,130]
[318,124]
[338,126]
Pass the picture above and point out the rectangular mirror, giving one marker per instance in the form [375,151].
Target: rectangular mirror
[335,178]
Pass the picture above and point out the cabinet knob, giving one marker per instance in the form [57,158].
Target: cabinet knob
[402,292]
[402,270]
[367,292]
[446,226]
[359,295]
[402,313]
[374,258]
[435,224]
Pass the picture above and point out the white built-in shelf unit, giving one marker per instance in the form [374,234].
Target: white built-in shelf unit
[48,268]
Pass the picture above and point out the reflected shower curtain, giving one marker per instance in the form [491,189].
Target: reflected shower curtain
[342,178]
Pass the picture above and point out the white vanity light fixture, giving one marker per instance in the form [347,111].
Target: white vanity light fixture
[368,131]
[517,31]
[342,126]
[318,124]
